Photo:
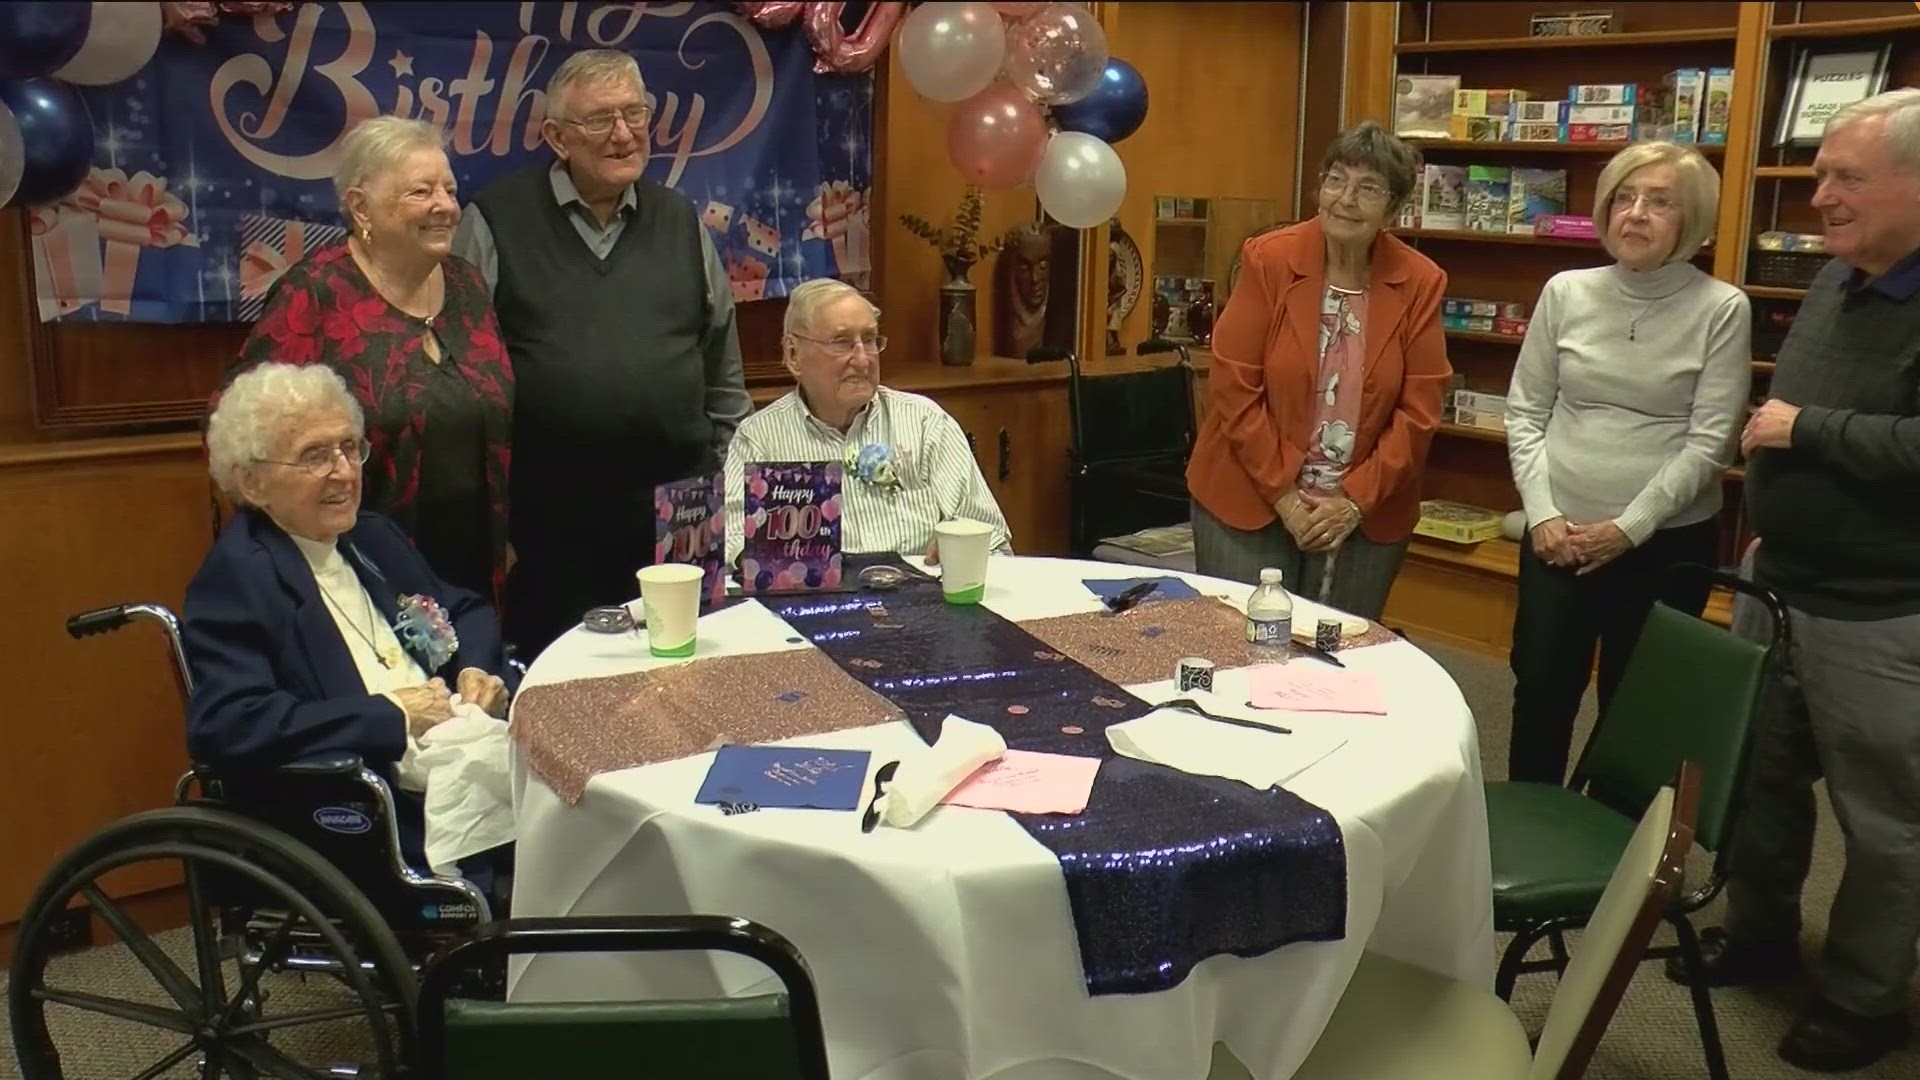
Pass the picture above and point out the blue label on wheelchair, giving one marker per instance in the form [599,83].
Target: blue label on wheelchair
[342,819]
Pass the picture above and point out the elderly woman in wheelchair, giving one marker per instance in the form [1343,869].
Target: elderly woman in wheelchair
[313,628]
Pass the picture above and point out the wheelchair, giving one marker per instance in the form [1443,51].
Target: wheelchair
[295,870]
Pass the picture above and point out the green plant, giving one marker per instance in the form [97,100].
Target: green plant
[955,241]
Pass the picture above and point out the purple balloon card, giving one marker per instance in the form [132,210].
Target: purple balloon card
[689,527]
[790,527]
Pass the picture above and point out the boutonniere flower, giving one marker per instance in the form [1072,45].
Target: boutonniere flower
[423,627]
[873,463]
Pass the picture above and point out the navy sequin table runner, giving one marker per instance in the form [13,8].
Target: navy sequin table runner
[1164,869]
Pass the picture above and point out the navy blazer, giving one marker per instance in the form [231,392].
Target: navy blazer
[273,681]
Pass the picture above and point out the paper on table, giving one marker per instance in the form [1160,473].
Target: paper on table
[926,777]
[1313,687]
[1194,744]
[1025,782]
[1168,588]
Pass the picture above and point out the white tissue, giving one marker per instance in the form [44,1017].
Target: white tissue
[1194,744]
[463,767]
[925,778]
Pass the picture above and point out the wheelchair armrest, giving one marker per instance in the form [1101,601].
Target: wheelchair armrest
[340,764]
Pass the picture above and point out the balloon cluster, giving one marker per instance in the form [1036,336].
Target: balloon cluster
[1038,100]
[46,135]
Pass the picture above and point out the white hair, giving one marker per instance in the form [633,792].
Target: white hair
[808,298]
[1902,132]
[377,145]
[259,409]
[590,67]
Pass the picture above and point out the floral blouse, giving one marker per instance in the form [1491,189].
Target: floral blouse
[1337,391]
[440,430]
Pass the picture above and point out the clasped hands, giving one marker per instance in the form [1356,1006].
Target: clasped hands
[1318,520]
[1559,542]
[431,702]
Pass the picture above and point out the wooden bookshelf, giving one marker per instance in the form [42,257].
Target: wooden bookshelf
[1775,292]
[1783,172]
[1586,43]
[1845,28]
[1465,593]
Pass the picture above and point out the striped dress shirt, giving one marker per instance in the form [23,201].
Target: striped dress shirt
[939,479]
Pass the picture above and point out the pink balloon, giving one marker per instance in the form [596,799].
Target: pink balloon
[996,137]
[1058,54]
[772,16]
[1012,12]
[835,53]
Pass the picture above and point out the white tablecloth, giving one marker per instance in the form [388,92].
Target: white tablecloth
[948,951]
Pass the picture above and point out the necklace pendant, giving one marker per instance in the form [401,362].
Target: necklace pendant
[389,657]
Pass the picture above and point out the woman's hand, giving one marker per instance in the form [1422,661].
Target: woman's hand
[425,705]
[487,691]
[1550,542]
[1594,546]
[1331,518]
[1294,515]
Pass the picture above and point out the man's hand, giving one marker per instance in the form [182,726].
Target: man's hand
[1594,546]
[1770,426]
[425,705]
[1550,542]
[1331,518]
[933,552]
[487,691]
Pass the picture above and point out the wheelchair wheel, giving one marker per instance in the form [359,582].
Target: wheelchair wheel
[201,1008]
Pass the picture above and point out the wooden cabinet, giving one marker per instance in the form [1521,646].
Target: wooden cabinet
[1020,436]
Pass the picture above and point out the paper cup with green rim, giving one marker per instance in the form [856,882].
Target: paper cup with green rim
[964,548]
[670,595]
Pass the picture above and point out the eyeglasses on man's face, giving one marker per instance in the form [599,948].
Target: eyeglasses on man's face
[840,348]
[600,124]
[1335,184]
[318,460]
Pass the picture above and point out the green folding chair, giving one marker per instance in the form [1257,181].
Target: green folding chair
[762,1037]
[1690,692]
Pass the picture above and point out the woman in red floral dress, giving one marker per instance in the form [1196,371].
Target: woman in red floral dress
[411,328]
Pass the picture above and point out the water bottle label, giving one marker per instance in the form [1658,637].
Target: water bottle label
[1271,633]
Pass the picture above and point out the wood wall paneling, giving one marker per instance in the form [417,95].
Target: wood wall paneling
[1224,89]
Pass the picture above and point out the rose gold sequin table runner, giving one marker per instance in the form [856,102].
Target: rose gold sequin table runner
[570,732]
[1146,643]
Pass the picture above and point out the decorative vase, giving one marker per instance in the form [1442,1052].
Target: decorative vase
[959,317]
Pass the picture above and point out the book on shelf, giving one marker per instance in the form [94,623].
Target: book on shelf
[1713,122]
[1532,194]
[1443,197]
[1487,197]
[1423,105]
[1457,523]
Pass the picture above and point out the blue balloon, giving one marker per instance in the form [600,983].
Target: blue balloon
[57,134]
[38,39]
[1115,109]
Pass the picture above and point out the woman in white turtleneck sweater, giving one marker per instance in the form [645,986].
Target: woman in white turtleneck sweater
[1622,416]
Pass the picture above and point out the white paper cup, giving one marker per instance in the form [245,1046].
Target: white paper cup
[670,595]
[964,548]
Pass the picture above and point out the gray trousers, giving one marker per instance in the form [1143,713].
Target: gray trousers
[1846,705]
[1363,572]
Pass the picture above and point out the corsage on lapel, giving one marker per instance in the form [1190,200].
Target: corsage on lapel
[423,627]
[873,463]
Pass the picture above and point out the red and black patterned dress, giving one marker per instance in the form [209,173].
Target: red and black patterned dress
[440,429]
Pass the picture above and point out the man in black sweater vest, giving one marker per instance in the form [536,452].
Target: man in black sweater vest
[618,317]
[1833,486]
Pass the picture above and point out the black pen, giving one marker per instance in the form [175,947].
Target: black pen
[1319,653]
[1131,596]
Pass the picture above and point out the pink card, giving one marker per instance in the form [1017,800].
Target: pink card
[1309,687]
[1025,782]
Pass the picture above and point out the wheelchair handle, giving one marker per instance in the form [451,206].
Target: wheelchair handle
[1782,625]
[99,621]
[1161,345]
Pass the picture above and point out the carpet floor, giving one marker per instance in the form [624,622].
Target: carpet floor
[1652,1036]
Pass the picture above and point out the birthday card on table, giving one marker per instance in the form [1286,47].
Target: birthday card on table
[790,527]
[689,527]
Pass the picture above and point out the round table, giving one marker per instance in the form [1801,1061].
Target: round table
[948,950]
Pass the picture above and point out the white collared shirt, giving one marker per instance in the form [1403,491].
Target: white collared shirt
[939,478]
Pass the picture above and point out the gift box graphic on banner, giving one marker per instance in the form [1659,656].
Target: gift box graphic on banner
[125,215]
[270,246]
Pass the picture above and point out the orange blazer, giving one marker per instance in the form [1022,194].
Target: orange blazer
[1266,360]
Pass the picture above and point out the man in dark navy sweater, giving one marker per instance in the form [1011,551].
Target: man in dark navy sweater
[1833,486]
[618,317]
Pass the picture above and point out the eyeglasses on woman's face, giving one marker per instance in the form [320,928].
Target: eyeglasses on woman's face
[1655,203]
[1336,184]
[318,460]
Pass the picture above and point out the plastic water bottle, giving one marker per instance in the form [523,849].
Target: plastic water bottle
[1270,617]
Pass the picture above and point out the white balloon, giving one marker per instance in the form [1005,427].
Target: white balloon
[120,40]
[1081,180]
[952,51]
[13,155]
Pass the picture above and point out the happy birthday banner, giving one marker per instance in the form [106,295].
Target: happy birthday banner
[213,165]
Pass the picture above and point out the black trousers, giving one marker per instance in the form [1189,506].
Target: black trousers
[1562,616]
[556,580]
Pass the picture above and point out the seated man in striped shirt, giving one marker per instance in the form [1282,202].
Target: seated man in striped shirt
[840,412]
